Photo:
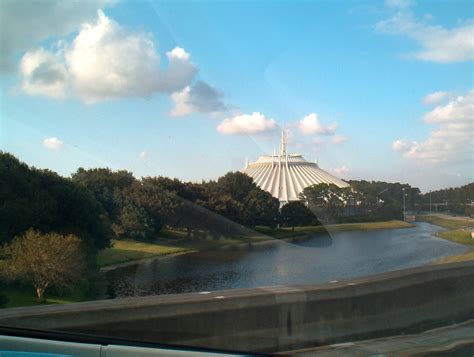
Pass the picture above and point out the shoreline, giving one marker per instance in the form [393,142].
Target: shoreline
[301,237]
[457,230]
[304,234]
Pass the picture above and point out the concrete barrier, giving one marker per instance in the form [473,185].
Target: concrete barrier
[276,318]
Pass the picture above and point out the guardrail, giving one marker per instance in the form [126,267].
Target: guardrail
[275,318]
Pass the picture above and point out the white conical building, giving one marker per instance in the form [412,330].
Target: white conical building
[286,175]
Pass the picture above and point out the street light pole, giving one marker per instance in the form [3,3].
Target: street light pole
[404,216]
[430,201]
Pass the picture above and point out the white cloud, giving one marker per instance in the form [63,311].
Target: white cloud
[178,53]
[24,23]
[43,74]
[434,98]
[452,141]
[52,143]
[143,155]
[341,171]
[106,61]
[199,97]
[438,44]
[311,124]
[460,109]
[246,124]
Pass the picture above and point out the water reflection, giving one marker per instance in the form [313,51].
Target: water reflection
[319,241]
[323,258]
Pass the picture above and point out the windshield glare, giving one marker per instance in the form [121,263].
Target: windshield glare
[259,176]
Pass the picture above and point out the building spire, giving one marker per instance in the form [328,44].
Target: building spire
[283,144]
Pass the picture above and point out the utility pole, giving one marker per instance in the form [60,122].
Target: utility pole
[430,201]
[404,216]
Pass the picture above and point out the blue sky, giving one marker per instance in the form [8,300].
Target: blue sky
[372,90]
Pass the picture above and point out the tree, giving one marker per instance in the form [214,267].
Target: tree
[108,188]
[235,184]
[324,200]
[142,206]
[296,214]
[45,260]
[43,200]
[384,200]
[459,199]
[260,208]
[3,300]
[226,206]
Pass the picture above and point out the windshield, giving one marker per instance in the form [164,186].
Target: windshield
[257,176]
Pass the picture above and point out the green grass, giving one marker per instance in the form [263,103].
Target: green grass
[458,236]
[171,242]
[276,233]
[123,251]
[365,226]
[26,296]
[287,231]
[458,230]
[445,222]
[455,233]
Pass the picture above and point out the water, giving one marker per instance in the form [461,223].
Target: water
[324,258]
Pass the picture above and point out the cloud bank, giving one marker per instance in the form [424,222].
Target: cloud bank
[437,43]
[25,23]
[451,141]
[105,61]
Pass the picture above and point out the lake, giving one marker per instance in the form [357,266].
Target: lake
[334,256]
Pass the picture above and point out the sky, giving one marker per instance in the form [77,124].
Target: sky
[369,89]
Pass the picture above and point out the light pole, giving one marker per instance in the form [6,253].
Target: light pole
[430,201]
[404,216]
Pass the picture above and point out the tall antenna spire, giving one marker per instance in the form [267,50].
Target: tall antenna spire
[283,143]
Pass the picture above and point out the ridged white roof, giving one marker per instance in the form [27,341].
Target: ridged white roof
[285,175]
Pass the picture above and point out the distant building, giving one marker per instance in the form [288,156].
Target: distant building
[286,175]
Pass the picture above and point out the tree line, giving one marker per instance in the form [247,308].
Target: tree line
[98,205]
[458,200]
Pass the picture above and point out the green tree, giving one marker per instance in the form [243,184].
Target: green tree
[296,214]
[45,260]
[107,187]
[43,200]
[143,204]
[324,200]
[384,200]
[3,300]
[260,208]
[459,199]
[235,184]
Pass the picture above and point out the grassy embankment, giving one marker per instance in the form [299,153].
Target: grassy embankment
[343,227]
[456,232]
[174,242]
[25,296]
